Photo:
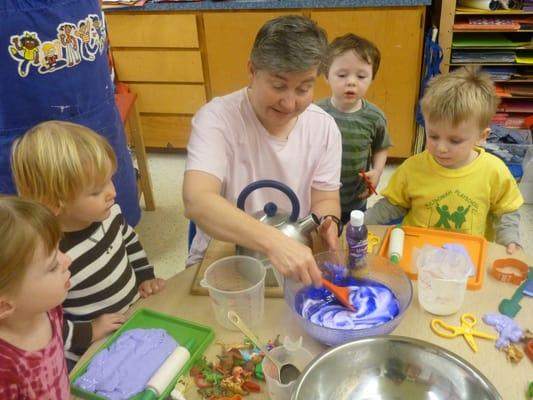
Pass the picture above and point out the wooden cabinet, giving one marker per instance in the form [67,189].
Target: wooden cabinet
[159,57]
[228,40]
[395,89]
[178,61]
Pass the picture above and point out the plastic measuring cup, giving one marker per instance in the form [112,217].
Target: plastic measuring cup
[236,283]
[442,278]
[289,352]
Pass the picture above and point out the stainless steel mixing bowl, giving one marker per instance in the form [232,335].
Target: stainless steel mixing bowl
[392,368]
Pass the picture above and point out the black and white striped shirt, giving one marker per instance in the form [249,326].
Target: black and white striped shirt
[108,265]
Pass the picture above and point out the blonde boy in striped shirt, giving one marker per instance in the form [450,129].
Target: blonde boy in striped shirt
[69,168]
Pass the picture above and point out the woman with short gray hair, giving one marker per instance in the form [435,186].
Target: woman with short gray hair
[268,130]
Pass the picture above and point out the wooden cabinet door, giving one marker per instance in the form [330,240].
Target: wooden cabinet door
[228,40]
[398,33]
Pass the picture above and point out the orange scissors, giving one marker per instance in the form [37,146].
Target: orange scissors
[365,177]
[466,329]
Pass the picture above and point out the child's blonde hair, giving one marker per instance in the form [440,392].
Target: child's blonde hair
[364,48]
[460,95]
[54,161]
[24,225]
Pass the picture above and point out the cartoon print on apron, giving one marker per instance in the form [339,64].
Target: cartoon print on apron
[73,42]
[54,66]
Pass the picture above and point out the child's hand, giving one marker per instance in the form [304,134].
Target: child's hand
[512,247]
[105,324]
[152,286]
[373,176]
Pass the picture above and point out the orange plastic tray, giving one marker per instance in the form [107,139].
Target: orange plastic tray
[476,246]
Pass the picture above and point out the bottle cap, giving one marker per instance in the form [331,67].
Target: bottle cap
[357,218]
[394,258]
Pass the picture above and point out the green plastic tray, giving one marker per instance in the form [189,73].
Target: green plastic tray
[180,329]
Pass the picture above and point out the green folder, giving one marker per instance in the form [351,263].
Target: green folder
[484,40]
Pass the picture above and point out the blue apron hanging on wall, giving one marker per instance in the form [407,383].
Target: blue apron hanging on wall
[54,65]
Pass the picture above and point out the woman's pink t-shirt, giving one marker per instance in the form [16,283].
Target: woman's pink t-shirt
[229,142]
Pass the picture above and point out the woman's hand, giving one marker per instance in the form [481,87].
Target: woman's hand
[294,260]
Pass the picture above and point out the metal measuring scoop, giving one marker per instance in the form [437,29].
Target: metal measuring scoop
[286,372]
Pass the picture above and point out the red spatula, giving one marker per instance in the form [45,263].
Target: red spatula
[341,293]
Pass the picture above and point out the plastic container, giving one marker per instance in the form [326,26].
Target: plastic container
[441,291]
[236,283]
[296,355]
[357,240]
[181,330]
[380,270]
[397,237]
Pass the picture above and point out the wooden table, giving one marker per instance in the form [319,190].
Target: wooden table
[510,380]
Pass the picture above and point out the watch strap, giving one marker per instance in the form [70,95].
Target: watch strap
[336,220]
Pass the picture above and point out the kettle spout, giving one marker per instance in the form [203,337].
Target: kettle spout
[307,224]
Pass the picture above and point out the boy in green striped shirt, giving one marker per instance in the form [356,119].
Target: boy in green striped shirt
[351,66]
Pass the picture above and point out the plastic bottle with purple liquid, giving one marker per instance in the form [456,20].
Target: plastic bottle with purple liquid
[357,239]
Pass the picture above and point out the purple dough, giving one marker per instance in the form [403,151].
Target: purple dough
[123,369]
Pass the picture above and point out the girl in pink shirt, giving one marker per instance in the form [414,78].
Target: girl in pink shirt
[34,280]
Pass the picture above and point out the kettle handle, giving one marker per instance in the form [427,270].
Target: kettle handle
[269,183]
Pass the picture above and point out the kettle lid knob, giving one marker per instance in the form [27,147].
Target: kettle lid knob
[267,183]
[270,209]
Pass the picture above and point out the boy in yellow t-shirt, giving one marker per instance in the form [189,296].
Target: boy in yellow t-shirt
[454,184]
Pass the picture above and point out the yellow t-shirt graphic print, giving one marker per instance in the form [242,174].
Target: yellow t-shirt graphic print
[453,210]
[454,199]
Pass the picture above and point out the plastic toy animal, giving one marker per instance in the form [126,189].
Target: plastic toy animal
[507,328]
[513,353]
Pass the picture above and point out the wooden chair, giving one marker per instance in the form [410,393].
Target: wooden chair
[126,103]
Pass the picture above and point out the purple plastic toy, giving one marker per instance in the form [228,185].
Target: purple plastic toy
[507,328]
